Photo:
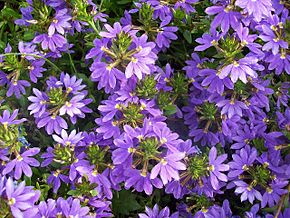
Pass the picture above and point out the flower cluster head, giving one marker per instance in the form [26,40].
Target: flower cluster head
[15,66]
[62,97]
[120,55]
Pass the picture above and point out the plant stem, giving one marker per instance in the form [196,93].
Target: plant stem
[72,63]
[282,199]
[33,55]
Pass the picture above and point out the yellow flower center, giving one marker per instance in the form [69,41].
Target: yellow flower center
[68,104]
[11,201]
[163,161]
[211,168]
[131,150]
[134,60]
[163,140]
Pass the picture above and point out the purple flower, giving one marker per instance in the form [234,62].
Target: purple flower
[106,75]
[216,166]
[225,17]
[141,61]
[36,69]
[73,107]
[207,40]
[232,107]
[55,180]
[21,199]
[22,163]
[186,5]
[154,213]
[258,8]
[124,151]
[71,83]
[52,42]
[213,82]
[17,87]
[243,137]
[168,167]
[166,137]
[72,208]
[240,69]
[248,40]
[7,120]
[68,140]
[60,22]
[28,48]
[3,78]
[142,182]
[27,18]
[279,63]
[273,42]
[165,34]
[51,123]
[108,129]
[205,136]
[115,30]
[242,161]
[39,101]
[273,193]
[248,192]
[46,209]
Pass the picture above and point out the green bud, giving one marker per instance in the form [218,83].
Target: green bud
[146,14]
[147,88]
[179,84]
[132,115]
[231,48]
[97,155]
[8,136]
[149,146]
[164,100]
[56,96]
[122,42]
[197,166]
[200,202]
[260,174]
[84,189]
[63,154]
[207,111]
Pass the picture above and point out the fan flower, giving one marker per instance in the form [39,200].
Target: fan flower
[216,166]
[21,164]
[168,167]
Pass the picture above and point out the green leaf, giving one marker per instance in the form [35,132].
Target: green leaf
[9,12]
[29,35]
[169,110]
[125,202]
[74,192]
[187,36]
[27,180]
[123,2]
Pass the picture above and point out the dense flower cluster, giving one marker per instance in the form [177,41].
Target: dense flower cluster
[178,103]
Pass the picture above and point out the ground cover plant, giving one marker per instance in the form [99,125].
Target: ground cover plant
[144,108]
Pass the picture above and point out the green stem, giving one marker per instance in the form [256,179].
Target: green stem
[72,63]
[33,55]
[92,23]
